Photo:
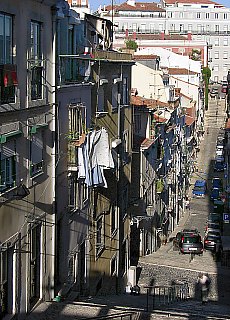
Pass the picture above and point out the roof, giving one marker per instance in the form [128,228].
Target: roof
[147,143]
[139,6]
[193,2]
[150,103]
[167,37]
[181,71]
[146,57]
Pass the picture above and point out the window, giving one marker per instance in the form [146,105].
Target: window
[36,154]
[113,266]
[217,42]
[198,15]
[172,27]
[170,15]
[5,39]
[216,54]
[35,251]
[7,69]
[99,235]
[225,41]
[35,61]
[181,27]
[125,201]
[225,68]
[207,15]
[181,15]
[114,220]
[217,28]
[225,28]
[101,99]
[225,16]
[152,27]
[225,55]
[190,27]
[143,26]
[216,68]
[125,145]
[125,93]
[7,166]
[116,96]
[216,16]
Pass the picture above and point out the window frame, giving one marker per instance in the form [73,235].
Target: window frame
[35,61]
[99,235]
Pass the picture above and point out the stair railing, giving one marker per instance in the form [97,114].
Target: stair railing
[164,295]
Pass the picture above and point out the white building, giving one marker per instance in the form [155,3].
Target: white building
[206,20]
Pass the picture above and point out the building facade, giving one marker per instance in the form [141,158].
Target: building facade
[27,147]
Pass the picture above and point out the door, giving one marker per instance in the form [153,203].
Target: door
[35,248]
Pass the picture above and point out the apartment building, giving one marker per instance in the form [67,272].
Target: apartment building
[27,149]
[207,21]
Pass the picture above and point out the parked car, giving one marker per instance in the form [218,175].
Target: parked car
[217,184]
[220,158]
[199,189]
[191,243]
[219,166]
[215,194]
[219,152]
[214,217]
[179,235]
[212,241]
[213,226]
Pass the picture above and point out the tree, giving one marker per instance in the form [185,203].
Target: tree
[131,44]
[206,72]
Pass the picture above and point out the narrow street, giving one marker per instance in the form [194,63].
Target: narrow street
[169,264]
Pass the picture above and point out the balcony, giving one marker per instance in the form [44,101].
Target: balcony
[76,69]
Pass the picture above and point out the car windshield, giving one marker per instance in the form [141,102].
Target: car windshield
[213,238]
[197,188]
[189,239]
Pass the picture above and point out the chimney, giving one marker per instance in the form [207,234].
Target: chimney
[162,35]
[189,36]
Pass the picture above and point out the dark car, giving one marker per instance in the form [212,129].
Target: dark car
[191,243]
[213,226]
[219,166]
[217,184]
[215,194]
[214,218]
[179,235]
[212,242]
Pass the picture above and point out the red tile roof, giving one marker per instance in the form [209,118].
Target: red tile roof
[193,1]
[150,103]
[145,57]
[182,71]
[139,6]
[147,143]
[189,120]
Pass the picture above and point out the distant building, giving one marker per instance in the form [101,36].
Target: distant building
[204,20]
